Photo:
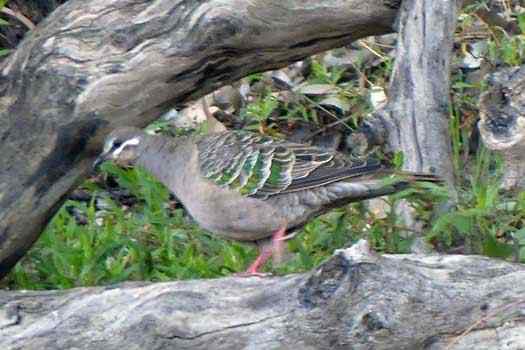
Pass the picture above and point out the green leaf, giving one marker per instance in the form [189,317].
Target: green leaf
[460,85]
[262,109]
[521,22]
[399,159]
[437,190]
[462,223]
[493,248]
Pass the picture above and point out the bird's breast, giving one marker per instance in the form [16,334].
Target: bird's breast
[233,216]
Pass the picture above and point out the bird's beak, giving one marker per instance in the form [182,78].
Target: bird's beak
[100,159]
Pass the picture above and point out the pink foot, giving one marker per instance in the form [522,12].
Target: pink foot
[276,249]
[252,270]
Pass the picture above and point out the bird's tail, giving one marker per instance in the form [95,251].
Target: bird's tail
[413,177]
[385,183]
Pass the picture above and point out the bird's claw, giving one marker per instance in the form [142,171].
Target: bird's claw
[287,237]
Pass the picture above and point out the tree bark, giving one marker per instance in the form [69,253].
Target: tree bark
[415,118]
[502,123]
[356,300]
[92,65]
[417,111]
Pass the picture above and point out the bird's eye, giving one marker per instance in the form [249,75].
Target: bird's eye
[117,144]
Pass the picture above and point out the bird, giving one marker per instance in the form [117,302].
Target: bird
[254,188]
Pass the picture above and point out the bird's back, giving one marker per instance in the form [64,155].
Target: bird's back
[261,167]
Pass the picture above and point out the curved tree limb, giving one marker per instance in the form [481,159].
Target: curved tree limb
[356,300]
[95,64]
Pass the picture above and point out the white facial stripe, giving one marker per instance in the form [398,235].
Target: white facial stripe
[108,145]
[133,142]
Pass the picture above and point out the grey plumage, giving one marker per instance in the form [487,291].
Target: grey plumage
[245,186]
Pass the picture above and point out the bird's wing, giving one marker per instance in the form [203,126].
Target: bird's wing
[261,166]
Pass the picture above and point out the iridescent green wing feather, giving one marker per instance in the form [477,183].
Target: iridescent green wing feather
[236,159]
[260,166]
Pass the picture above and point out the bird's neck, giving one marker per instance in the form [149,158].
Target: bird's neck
[162,156]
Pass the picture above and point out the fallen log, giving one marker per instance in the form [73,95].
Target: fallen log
[356,300]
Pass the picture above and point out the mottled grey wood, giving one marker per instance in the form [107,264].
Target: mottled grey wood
[417,111]
[356,300]
[502,122]
[415,119]
[94,64]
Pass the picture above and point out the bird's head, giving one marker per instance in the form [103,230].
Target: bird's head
[122,146]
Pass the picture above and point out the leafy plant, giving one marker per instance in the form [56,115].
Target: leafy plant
[3,51]
[261,109]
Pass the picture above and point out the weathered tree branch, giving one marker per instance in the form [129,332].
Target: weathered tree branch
[356,300]
[502,123]
[95,64]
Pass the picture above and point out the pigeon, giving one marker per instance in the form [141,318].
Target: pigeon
[254,188]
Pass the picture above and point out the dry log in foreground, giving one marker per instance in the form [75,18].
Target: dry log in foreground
[94,64]
[502,124]
[356,300]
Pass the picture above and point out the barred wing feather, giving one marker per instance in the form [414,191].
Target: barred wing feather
[261,166]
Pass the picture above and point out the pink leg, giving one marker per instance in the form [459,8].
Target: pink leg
[276,249]
[263,257]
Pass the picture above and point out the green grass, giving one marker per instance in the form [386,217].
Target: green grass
[152,241]
[146,242]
